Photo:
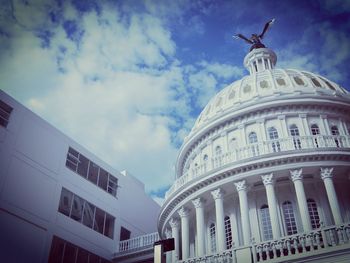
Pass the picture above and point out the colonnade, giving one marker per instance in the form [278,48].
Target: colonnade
[296,176]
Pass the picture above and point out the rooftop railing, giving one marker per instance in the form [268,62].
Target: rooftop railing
[254,150]
[138,243]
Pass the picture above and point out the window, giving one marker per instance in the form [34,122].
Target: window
[5,112]
[212,231]
[316,82]
[289,218]
[233,144]
[299,81]
[266,222]
[335,133]
[64,251]
[124,234]
[253,139]
[313,213]
[218,151]
[228,232]
[273,135]
[86,213]
[281,82]
[294,132]
[81,165]
[315,131]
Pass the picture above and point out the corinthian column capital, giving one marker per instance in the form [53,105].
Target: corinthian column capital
[268,179]
[168,233]
[296,174]
[174,223]
[326,172]
[241,185]
[183,212]
[198,203]
[217,194]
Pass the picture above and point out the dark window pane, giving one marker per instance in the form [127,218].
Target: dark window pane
[65,202]
[99,220]
[89,213]
[73,152]
[124,234]
[94,258]
[56,252]
[83,165]
[70,253]
[3,122]
[112,185]
[93,172]
[109,226]
[77,208]
[5,107]
[82,256]
[103,179]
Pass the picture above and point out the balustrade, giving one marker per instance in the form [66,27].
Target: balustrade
[292,143]
[138,243]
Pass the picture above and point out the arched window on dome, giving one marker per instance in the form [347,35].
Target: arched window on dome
[205,162]
[218,156]
[218,151]
[294,132]
[212,233]
[313,213]
[266,222]
[253,140]
[315,131]
[273,135]
[233,148]
[228,232]
[335,133]
[289,218]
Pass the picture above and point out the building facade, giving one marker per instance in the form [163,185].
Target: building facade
[264,174]
[58,201]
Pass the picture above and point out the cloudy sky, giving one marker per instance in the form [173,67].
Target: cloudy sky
[127,79]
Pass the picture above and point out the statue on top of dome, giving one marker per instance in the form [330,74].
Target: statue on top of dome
[255,40]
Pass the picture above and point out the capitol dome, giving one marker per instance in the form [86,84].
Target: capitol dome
[264,173]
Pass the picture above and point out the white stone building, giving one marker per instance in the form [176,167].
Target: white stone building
[264,175]
[58,201]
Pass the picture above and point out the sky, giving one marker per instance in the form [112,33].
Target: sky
[127,79]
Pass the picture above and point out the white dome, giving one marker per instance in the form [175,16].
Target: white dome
[264,83]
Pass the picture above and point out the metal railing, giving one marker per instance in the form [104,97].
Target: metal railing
[138,243]
[293,143]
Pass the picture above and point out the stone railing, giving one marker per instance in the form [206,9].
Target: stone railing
[138,243]
[286,249]
[296,143]
[317,241]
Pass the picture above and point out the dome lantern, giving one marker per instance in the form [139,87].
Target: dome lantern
[260,59]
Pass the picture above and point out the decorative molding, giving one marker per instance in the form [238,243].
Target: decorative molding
[183,212]
[241,185]
[302,115]
[296,174]
[198,203]
[174,223]
[281,117]
[268,179]
[326,172]
[217,194]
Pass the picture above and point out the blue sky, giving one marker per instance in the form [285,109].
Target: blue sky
[127,79]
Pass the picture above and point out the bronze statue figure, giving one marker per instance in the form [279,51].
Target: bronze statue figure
[255,40]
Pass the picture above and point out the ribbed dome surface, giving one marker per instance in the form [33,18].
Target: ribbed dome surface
[262,84]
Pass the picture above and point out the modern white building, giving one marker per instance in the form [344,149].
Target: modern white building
[58,201]
[264,175]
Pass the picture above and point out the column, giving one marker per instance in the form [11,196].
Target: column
[169,253]
[305,125]
[283,126]
[220,222]
[272,202]
[262,129]
[327,175]
[325,124]
[174,224]
[243,204]
[185,232]
[198,204]
[297,178]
